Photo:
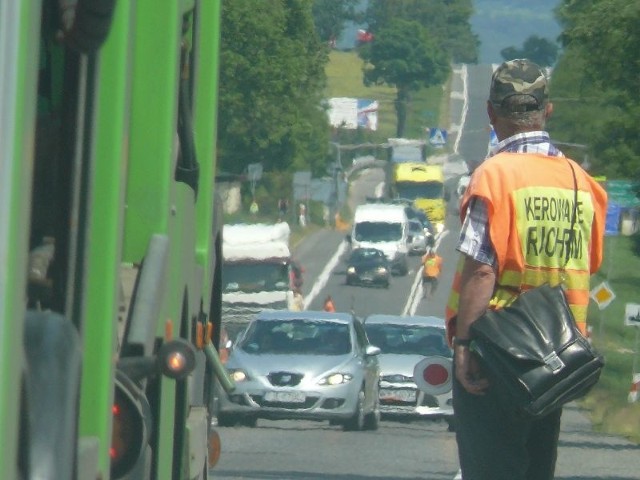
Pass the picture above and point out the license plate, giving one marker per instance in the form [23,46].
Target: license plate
[367,278]
[286,397]
[399,395]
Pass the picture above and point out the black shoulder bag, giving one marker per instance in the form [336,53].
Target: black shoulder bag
[532,350]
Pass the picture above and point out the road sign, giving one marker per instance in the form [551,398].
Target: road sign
[632,314]
[437,137]
[602,295]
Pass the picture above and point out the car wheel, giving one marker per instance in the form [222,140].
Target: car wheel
[372,420]
[387,283]
[225,420]
[356,422]
[249,421]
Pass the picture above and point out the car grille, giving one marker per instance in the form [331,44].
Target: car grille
[397,378]
[308,403]
[284,379]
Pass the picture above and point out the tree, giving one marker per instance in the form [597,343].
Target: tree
[329,17]
[271,87]
[447,21]
[595,83]
[539,50]
[405,56]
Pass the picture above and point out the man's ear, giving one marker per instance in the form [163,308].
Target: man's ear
[491,113]
[548,110]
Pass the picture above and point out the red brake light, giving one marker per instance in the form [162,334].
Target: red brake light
[435,374]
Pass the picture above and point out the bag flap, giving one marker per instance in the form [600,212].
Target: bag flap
[531,326]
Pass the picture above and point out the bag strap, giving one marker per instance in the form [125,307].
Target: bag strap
[563,275]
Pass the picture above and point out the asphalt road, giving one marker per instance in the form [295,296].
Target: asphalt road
[423,449]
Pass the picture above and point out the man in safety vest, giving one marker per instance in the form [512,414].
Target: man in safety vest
[516,234]
[431,267]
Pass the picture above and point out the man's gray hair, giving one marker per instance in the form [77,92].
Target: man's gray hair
[522,111]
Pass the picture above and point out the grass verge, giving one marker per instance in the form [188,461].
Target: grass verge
[607,403]
[427,109]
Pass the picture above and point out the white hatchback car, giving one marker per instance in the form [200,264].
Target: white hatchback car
[415,366]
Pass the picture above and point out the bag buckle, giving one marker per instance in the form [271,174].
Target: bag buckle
[553,362]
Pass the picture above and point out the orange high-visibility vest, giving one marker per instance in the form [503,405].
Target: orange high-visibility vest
[530,200]
[432,266]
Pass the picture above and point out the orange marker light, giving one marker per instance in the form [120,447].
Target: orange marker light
[176,361]
[168,330]
[199,336]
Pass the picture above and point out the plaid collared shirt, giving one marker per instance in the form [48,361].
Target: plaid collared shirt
[474,235]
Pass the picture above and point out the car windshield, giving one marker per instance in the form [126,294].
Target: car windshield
[378,231]
[413,190]
[408,339]
[415,227]
[366,254]
[255,277]
[300,337]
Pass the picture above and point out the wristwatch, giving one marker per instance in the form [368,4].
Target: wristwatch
[461,342]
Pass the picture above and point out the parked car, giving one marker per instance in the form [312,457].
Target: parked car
[417,238]
[408,344]
[368,266]
[303,365]
[415,213]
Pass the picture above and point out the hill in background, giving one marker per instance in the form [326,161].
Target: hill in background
[505,23]
[498,24]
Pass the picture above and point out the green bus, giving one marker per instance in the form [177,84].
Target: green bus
[110,239]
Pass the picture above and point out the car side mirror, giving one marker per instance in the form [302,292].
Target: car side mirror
[372,350]
[410,239]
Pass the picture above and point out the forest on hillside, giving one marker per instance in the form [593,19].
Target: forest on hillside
[504,23]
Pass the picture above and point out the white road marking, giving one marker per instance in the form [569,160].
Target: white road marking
[465,106]
[323,278]
[417,291]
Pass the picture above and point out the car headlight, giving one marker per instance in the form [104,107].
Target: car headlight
[381,270]
[351,270]
[238,375]
[336,379]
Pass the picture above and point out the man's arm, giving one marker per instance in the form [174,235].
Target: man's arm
[476,288]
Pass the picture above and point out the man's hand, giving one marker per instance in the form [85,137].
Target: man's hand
[468,371]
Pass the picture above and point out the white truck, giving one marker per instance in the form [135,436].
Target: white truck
[257,272]
[403,150]
[385,227]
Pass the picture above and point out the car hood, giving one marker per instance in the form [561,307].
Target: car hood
[389,248]
[310,365]
[256,298]
[391,363]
